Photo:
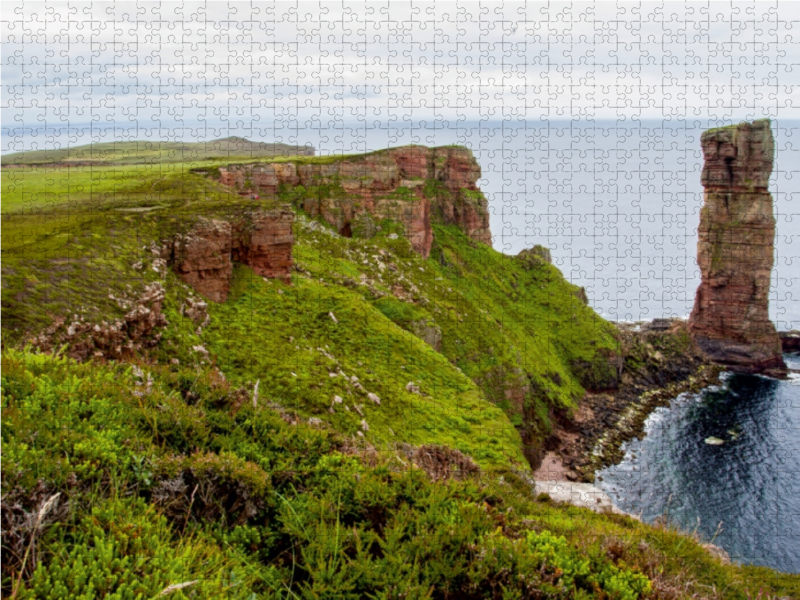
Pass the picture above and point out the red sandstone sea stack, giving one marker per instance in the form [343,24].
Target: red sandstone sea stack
[730,320]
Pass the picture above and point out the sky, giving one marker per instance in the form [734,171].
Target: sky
[267,68]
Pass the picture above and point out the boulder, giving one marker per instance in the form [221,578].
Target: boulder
[790,341]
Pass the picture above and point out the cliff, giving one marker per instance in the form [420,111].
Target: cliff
[413,185]
[204,256]
[730,320]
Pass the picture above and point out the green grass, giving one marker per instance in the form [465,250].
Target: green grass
[72,238]
[520,332]
[285,337]
[172,477]
[174,473]
[154,152]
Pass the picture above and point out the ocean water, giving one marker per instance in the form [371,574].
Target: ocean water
[750,483]
[616,202]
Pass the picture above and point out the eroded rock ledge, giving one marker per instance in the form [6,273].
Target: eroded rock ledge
[730,320]
[204,256]
[413,185]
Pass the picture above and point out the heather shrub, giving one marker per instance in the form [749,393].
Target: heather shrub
[124,550]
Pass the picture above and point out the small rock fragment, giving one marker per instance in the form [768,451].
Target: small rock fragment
[412,387]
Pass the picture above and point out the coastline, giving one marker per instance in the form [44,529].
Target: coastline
[660,362]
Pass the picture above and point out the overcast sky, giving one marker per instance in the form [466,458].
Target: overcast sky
[321,64]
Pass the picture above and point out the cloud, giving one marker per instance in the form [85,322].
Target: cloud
[140,62]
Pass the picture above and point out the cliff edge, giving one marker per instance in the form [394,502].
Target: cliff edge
[413,185]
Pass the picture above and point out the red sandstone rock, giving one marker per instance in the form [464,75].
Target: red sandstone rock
[264,242]
[389,184]
[730,320]
[204,256]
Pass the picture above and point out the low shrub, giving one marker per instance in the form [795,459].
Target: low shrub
[210,487]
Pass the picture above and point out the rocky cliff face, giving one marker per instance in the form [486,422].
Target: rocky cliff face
[204,256]
[730,320]
[413,185]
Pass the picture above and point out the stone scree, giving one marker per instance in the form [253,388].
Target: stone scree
[204,256]
[730,320]
[353,194]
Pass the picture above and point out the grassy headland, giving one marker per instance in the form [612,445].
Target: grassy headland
[248,456]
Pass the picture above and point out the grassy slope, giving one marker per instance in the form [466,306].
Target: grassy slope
[153,152]
[522,331]
[499,319]
[171,478]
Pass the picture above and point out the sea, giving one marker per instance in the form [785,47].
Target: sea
[617,203]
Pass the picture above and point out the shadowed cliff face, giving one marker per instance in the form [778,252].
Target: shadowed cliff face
[412,185]
[730,319]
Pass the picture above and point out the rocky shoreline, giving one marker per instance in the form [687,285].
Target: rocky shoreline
[660,361]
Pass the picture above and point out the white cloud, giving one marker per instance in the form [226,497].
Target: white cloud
[122,61]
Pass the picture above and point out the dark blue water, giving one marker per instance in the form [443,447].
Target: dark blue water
[750,483]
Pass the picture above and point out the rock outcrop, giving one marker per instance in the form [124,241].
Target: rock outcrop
[139,330]
[413,185]
[204,256]
[730,320]
[536,255]
[790,340]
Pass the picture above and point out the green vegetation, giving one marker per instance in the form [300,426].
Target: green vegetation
[155,152]
[147,478]
[361,432]
[286,338]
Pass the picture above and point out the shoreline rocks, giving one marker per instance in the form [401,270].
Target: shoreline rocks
[735,250]
[657,365]
[790,341]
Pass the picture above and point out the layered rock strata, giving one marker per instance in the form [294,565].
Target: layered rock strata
[204,256]
[730,320]
[413,185]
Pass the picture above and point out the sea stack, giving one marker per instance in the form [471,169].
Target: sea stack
[730,320]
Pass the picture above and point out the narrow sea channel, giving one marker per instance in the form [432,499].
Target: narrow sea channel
[729,454]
